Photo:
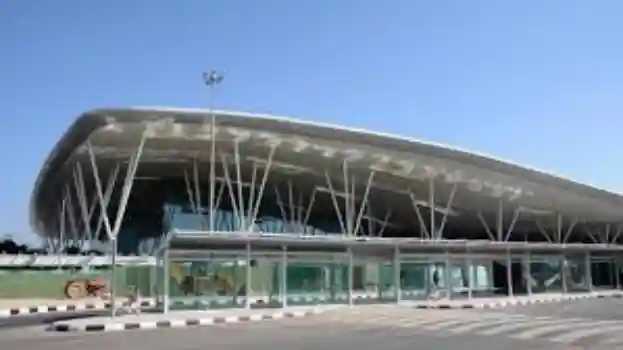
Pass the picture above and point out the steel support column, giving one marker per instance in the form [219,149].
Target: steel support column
[424,231]
[563,271]
[284,277]
[447,212]
[126,190]
[350,275]
[528,273]
[470,276]
[587,266]
[431,207]
[447,277]
[500,221]
[247,299]
[617,277]
[559,237]
[397,265]
[509,273]
[166,281]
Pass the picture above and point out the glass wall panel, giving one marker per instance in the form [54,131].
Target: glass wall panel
[575,273]
[207,284]
[481,272]
[546,273]
[373,281]
[602,272]
[317,281]
[459,278]
[413,279]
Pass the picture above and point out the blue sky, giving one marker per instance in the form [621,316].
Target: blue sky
[536,82]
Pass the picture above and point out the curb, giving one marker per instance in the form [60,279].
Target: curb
[42,309]
[516,302]
[33,310]
[180,323]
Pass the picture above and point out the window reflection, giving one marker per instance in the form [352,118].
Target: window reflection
[180,218]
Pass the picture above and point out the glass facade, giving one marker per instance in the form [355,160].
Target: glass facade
[229,280]
[221,281]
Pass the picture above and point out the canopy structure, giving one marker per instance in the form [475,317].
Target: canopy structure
[212,188]
[368,183]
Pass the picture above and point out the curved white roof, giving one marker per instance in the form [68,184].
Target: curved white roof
[93,120]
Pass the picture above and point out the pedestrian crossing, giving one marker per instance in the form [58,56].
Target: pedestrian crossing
[572,331]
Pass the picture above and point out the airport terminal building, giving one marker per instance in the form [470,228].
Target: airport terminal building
[285,211]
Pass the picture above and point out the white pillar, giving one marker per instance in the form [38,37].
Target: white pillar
[431,207]
[350,276]
[284,277]
[447,277]
[587,266]
[509,273]
[471,273]
[528,273]
[166,292]
[563,273]
[247,299]
[397,284]
[617,278]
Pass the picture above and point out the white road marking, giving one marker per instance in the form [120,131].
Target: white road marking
[579,334]
[564,324]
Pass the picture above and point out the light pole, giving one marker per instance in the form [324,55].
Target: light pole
[211,80]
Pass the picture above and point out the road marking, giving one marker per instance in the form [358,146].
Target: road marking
[444,324]
[577,335]
[485,323]
[519,325]
[573,323]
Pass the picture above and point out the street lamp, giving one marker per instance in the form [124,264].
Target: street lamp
[211,80]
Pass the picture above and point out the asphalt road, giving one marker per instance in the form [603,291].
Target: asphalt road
[44,318]
[370,328]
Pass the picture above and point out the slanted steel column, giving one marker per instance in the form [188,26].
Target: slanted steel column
[509,273]
[284,277]
[397,284]
[126,190]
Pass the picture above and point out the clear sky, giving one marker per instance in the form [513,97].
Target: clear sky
[537,82]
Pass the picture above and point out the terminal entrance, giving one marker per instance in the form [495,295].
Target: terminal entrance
[273,275]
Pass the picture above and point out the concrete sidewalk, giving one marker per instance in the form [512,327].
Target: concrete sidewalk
[178,319]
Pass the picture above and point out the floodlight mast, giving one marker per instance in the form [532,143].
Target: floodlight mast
[211,80]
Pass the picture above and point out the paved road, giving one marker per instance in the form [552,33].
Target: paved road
[44,318]
[563,326]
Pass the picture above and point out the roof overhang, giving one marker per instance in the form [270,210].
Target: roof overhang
[183,136]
